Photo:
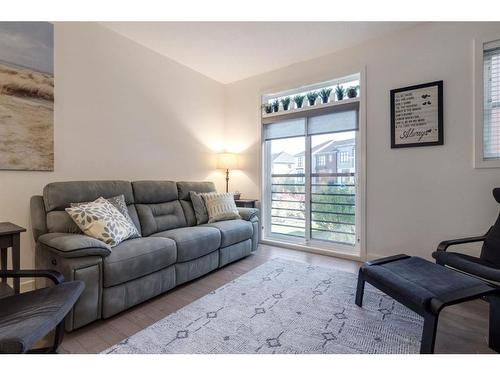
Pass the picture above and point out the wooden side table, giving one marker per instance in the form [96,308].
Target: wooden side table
[250,203]
[10,237]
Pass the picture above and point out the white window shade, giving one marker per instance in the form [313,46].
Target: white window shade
[333,122]
[285,129]
[339,118]
[491,74]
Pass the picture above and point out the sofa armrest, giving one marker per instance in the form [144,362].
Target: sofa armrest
[69,245]
[247,213]
[38,216]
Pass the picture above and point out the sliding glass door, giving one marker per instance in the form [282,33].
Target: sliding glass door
[310,180]
[333,188]
[287,187]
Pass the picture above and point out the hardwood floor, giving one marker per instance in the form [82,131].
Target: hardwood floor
[462,328]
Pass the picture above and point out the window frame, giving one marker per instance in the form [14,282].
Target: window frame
[314,246]
[478,105]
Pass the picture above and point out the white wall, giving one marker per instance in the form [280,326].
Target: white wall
[121,112]
[415,196]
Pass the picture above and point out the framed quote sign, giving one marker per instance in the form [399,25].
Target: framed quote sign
[417,115]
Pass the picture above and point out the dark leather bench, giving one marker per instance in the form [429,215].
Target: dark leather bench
[426,288]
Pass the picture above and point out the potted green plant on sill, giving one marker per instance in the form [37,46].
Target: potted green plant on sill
[298,100]
[324,94]
[276,105]
[339,92]
[352,92]
[267,108]
[285,102]
[311,97]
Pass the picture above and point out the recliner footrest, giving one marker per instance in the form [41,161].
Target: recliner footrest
[422,286]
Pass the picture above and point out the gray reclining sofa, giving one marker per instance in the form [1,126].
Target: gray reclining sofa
[171,251]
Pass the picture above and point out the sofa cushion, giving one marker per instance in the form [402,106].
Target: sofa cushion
[61,222]
[59,195]
[151,192]
[233,231]
[157,206]
[159,217]
[184,188]
[138,257]
[193,242]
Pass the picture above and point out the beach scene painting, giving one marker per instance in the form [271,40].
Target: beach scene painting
[27,96]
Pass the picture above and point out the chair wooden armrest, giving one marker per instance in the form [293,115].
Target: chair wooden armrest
[446,244]
[55,276]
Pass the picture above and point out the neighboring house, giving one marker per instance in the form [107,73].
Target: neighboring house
[329,157]
[335,157]
[283,163]
[300,157]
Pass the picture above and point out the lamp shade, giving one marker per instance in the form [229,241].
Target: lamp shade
[227,160]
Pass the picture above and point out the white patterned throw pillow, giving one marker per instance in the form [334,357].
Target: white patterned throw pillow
[220,206]
[101,220]
[119,203]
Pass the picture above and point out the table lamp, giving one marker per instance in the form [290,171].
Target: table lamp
[227,161]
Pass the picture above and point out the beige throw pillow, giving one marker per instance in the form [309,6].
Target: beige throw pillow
[101,220]
[220,206]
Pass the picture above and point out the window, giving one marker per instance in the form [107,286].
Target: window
[491,115]
[344,156]
[315,203]
[487,104]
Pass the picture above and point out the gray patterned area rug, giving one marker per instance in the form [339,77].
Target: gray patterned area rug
[284,307]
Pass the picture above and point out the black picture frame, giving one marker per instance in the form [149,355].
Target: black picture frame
[440,141]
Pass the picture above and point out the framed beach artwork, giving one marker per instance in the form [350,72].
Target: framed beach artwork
[417,115]
[27,96]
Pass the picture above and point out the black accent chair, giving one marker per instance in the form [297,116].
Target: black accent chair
[487,266]
[28,317]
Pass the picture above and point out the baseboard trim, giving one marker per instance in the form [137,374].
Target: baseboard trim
[310,249]
[375,256]
[27,285]
[286,245]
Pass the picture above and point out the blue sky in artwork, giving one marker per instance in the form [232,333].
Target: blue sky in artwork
[28,44]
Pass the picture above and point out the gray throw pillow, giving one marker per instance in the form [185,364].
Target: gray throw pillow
[200,210]
[119,203]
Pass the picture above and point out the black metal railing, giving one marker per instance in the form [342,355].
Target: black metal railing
[333,206]
[288,204]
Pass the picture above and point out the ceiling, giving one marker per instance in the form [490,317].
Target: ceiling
[232,51]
